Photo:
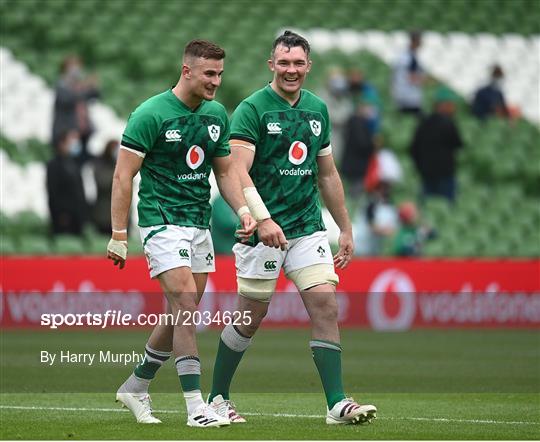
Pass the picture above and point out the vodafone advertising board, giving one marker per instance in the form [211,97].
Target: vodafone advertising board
[381,294]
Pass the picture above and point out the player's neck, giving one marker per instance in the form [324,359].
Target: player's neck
[184,95]
[290,98]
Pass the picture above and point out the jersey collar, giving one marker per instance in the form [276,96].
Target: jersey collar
[184,105]
[282,100]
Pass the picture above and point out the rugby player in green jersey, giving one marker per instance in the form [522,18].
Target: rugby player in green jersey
[174,139]
[280,141]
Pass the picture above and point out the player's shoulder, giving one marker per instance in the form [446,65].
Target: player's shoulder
[257,98]
[153,103]
[216,109]
[313,102]
[312,98]
[151,108]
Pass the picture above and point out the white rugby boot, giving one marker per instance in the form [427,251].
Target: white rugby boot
[205,416]
[139,404]
[226,408]
[347,411]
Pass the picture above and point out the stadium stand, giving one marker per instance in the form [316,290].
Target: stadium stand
[497,212]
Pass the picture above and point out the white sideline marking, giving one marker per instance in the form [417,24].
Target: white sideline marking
[305,416]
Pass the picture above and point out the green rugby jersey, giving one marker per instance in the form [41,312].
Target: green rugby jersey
[179,144]
[287,140]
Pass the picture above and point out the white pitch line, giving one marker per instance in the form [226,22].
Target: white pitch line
[305,416]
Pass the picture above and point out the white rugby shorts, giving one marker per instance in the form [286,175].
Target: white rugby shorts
[167,247]
[262,262]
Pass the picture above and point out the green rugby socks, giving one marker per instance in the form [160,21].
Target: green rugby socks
[232,346]
[327,357]
[153,360]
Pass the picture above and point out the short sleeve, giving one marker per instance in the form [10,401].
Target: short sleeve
[223,148]
[141,131]
[245,123]
[326,133]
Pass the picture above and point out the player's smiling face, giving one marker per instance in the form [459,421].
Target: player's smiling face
[290,66]
[205,77]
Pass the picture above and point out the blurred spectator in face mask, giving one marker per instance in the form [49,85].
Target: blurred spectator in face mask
[336,96]
[103,171]
[489,100]
[412,234]
[375,223]
[67,203]
[364,94]
[73,92]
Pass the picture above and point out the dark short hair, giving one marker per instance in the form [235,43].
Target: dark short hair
[290,39]
[415,35]
[204,49]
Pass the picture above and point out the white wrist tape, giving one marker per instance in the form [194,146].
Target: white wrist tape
[118,248]
[242,211]
[255,204]
[120,231]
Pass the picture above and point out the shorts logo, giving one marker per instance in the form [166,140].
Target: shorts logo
[209,259]
[297,153]
[270,266]
[172,136]
[321,251]
[183,253]
[315,127]
[273,128]
[194,157]
[214,132]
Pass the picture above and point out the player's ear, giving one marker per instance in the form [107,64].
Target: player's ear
[271,64]
[308,66]
[186,71]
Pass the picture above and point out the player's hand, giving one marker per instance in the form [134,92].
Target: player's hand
[117,249]
[346,249]
[271,234]
[249,225]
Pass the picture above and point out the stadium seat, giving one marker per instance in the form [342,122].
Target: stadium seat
[34,245]
[69,245]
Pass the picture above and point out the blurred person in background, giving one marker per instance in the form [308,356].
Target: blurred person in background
[411,234]
[67,203]
[363,92]
[336,95]
[408,78]
[489,100]
[359,146]
[434,147]
[376,221]
[73,92]
[103,171]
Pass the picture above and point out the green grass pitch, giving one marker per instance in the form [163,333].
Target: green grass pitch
[427,384]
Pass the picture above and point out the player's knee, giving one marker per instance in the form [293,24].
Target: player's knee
[324,310]
[251,325]
[256,289]
[182,301]
[312,276]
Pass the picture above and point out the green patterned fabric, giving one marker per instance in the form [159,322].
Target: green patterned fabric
[179,144]
[287,139]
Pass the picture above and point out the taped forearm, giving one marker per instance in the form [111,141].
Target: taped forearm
[255,203]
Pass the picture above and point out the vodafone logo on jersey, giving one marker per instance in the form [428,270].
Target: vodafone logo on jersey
[391,303]
[297,153]
[194,157]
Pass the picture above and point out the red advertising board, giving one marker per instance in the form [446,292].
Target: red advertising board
[381,294]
